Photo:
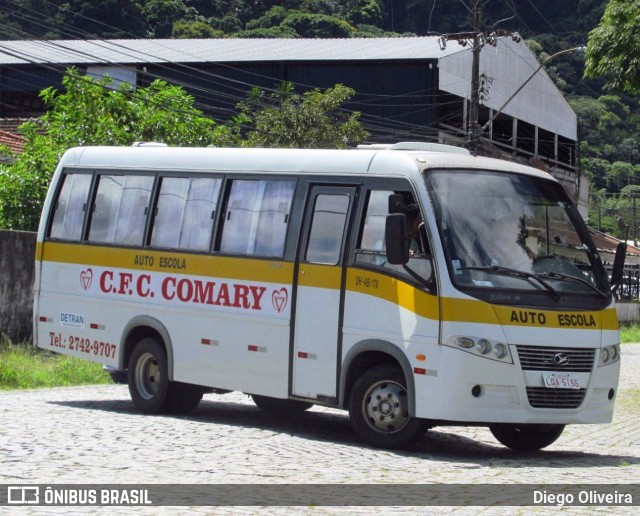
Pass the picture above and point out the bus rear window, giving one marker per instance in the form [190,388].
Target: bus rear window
[70,208]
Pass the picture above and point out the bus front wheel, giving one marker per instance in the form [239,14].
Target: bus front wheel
[379,408]
[526,437]
[148,377]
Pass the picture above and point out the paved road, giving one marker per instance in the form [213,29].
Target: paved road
[94,435]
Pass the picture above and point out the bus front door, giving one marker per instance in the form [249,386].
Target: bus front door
[319,297]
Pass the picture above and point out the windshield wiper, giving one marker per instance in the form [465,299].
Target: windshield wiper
[506,271]
[574,279]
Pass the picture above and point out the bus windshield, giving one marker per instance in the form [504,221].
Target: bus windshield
[512,231]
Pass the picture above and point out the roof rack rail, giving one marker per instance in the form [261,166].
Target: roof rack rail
[416,146]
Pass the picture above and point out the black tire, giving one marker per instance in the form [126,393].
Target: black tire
[148,377]
[183,398]
[524,438]
[280,406]
[379,409]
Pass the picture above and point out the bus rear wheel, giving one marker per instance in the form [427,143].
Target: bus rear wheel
[526,437]
[379,409]
[148,377]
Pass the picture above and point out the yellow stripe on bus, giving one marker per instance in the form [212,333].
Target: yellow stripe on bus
[472,310]
[393,290]
[249,269]
[320,276]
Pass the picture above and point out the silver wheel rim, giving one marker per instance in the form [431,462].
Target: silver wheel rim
[147,376]
[385,407]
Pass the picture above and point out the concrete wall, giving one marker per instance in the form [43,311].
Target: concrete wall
[17,256]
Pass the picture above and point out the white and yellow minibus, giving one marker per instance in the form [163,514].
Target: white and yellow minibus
[413,285]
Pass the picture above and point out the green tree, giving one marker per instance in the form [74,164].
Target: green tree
[228,24]
[613,47]
[272,18]
[313,119]
[621,174]
[106,19]
[270,33]
[160,15]
[88,112]
[365,12]
[597,170]
[317,25]
[185,29]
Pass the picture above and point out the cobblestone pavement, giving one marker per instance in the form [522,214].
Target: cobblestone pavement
[94,435]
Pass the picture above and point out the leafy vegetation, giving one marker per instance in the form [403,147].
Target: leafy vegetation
[25,367]
[309,120]
[630,334]
[613,48]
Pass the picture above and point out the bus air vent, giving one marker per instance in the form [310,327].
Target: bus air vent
[541,397]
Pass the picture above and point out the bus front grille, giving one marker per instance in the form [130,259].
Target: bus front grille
[541,397]
[539,358]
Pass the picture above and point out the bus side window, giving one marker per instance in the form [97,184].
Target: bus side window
[371,248]
[120,209]
[327,229]
[185,211]
[70,208]
[257,217]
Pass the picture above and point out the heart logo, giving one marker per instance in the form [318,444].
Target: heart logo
[279,299]
[86,277]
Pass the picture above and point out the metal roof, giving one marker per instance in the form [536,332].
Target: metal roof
[128,51]
[509,64]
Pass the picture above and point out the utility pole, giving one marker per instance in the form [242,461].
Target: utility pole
[478,40]
[474,106]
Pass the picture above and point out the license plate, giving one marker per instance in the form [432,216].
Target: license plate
[560,381]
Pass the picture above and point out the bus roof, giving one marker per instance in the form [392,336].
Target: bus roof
[370,160]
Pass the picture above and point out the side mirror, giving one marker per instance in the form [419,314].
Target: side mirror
[618,264]
[396,236]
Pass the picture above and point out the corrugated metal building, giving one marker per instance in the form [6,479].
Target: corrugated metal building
[407,88]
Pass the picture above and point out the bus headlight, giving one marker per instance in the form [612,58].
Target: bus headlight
[609,355]
[465,342]
[482,347]
[500,350]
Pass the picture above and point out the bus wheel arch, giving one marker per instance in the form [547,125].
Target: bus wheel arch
[370,353]
[140,328]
